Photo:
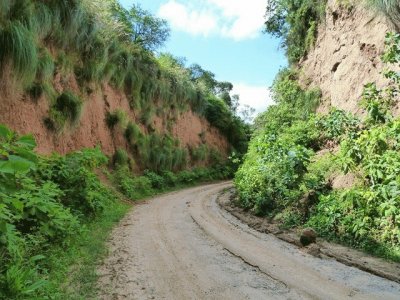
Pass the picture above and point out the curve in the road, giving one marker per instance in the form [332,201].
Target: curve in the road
[184,246]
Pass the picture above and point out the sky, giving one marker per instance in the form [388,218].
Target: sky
[224,37]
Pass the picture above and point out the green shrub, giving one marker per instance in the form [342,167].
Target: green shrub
[271,176]
[186,177]
[337,124]
[83,191]
[115,118]
[170,178]
[157,182]
[132,133]
[200,154]
[69,106]
[132,187]
[120,158]
[46,67]
[296,23]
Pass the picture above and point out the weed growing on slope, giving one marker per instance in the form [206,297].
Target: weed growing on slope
[283,176]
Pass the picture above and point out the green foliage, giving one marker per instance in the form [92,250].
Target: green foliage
[19,49]
[132,186]
[66,110]
[338,124]
[132,133]
[120,158]
[117,117]
[220,116]
[157,181]
[142,27]
[84,193]
[272,173]
[296,23]
[200,153]
[161,153]
[43,201]
[281,169]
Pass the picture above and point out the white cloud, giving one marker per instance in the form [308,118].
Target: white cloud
[183,17]
[258,97]
[236,19]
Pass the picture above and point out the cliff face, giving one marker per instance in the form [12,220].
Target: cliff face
[346,55]
[26,115]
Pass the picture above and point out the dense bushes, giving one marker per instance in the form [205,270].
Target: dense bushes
[45,201]
[151,183]
[221,116]
[42,201]
[285,175]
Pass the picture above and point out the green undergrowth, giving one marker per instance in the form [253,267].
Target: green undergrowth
[56,214]
[336,173]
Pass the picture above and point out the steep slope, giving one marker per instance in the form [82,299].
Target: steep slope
[81,73]
[26,115]
[346,55]
[326,155]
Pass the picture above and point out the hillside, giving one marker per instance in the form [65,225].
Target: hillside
[62,84]
[93,118]
[346,55]
[326,155]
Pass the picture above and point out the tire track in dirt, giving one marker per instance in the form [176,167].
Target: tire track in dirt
[184,246]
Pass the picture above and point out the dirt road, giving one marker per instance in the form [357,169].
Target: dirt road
[184,246]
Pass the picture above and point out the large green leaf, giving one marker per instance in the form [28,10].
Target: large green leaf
[16,164]
[27,141]
[27,154]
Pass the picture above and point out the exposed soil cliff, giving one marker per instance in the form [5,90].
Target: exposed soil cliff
[346,54]
[25,115]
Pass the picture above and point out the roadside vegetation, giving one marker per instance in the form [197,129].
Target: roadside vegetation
[55,214]
[101,42]
[296,158]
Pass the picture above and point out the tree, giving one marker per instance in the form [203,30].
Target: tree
[201,76]
[247,113]
[296,23]
[142,27]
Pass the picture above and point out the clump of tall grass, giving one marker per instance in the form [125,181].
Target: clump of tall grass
[70,105]
[67,108]
[117,117]
[46,67]
[18,47]
[120,158]
[132,133]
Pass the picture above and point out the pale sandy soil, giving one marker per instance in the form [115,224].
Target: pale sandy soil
[184,246]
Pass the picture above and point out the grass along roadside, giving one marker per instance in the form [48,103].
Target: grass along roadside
[73,274]
[74,268]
